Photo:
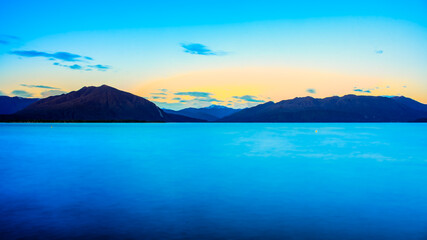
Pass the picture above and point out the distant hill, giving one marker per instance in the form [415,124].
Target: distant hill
[10,105]
[349,108]
[102,103]
[107,104]
[211,113]
[411,103]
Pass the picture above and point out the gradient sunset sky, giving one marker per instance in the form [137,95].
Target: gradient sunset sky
[232,53]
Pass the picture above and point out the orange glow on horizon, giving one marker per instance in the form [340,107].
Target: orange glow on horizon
[276,84]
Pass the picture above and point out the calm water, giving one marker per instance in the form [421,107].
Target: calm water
[213,181]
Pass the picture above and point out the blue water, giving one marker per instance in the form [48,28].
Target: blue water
[213,181]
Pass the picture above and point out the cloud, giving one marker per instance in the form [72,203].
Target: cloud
[311,90]
[379,52]
[208,99]
[199,49]
[248,98]
[22,93]
[50,93]
[99,67]
[157,97]
[389,96]
[194,94]
[75,67]
[7,39]
[64,56]
[38,86]
[362,90]
[162,89]
[1,93]
[176,99]
[158,93]
[72,67]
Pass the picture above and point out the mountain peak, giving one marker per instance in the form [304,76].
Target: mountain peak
[104,86]
[103,103]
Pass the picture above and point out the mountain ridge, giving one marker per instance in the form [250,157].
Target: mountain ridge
[349,108]
[95,104]
[211,113]
[10,105]
[108,104]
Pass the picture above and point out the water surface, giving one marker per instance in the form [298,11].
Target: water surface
[213,181]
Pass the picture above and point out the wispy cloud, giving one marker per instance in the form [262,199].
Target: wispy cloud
[84,67]
[311,90]
[63,56]
[7,39]
[99,67]
[22,93]
[75,67]
[157,97]
[38,86]
[208,99]
[161,93]
[362,90]
[194,94]
[249,98]
[200,49]
[389,96]
[85,62]
[379,51]
[50,93]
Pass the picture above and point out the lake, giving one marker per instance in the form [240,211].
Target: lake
[213,181]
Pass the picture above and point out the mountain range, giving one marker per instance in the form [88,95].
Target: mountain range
[10,105]
[107,104]
[349,108]
[95,104]
[211,113]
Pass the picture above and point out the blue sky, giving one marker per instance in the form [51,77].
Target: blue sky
[35,18]
[270,50]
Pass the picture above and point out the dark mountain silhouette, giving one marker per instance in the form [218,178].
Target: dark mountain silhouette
[211,113]
[421,120]
[101,104]
[10,105]
[411,103]
[349,108]
[107,104]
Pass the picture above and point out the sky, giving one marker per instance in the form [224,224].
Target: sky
[197,53]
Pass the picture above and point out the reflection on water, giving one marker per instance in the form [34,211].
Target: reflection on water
[213,181]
